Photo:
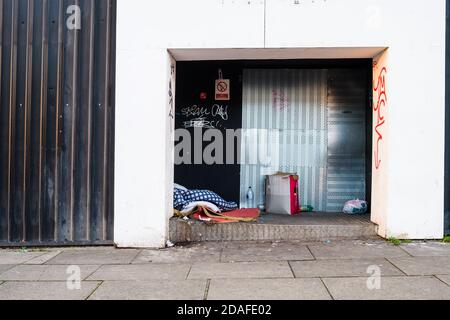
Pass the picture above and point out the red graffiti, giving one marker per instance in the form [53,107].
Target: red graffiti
[381,98]
[280,100]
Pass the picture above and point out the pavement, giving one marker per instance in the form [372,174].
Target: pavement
[340,270]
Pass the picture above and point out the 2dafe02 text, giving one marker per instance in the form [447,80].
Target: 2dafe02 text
[226,310]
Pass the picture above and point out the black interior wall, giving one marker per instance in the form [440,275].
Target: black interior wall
[196,77]
[193,79]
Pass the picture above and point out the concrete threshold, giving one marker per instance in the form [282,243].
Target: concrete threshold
[272,227]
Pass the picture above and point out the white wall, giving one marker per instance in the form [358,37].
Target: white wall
[413,30]
[381,141]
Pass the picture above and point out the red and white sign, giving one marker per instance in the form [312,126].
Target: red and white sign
[222,90]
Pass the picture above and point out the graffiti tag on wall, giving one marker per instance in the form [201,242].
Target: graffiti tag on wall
[205,116]
[280,100]
[380,96]
[171,92]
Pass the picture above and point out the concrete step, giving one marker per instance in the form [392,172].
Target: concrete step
[305,227]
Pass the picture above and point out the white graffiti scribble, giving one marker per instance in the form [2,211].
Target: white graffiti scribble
[220,111]
[200,123]
[195,111]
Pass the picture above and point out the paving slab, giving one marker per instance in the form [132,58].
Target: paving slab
[5,267]
[241,270]
[141,272]
[423,266]
[43,258]
[204,252]
[267,289]
[17,257]
[356,250]
[427,249]
[445,279]
[342,268]
[151,290]
[95,257]
[44,273]
[45,291]
[266,251]
[392,288]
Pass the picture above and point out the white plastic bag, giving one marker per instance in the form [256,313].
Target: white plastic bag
[356,207]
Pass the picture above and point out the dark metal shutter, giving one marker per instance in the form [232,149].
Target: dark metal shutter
[56,122]
[347,177]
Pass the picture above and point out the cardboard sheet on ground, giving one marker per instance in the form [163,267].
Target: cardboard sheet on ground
[240,215]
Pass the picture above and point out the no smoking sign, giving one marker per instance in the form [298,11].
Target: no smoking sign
[222,90]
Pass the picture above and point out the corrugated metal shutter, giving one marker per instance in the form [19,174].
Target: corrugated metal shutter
[347,96]
[56,122]
[308,122]
[284,113]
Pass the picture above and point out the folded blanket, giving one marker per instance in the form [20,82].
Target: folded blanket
[183,199]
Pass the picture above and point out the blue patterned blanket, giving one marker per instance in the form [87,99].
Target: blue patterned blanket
[182,198]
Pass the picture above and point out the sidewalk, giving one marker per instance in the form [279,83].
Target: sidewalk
[232,270]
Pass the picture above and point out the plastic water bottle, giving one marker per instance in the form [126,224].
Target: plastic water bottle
[250,197]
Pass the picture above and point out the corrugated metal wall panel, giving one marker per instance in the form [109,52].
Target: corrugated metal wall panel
[309,122]
[284,112]
[347,94]
[56,122]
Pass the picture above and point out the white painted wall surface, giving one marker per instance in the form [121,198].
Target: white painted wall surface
[380,141]
[413,30]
